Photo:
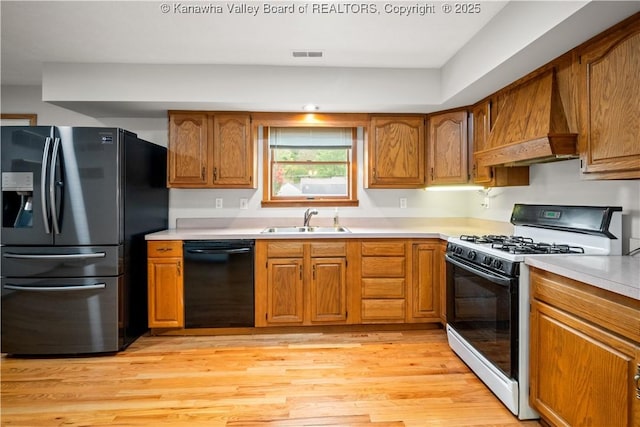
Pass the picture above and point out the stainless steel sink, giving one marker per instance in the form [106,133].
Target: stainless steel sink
[294,229]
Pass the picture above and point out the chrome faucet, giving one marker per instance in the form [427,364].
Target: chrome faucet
[307,216]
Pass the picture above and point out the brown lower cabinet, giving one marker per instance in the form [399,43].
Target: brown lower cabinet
[302,282]
[585,354]
[348,281]
[165,284]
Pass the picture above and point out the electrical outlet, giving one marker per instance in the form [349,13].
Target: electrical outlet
[403,203]
[244,204]
[218,203]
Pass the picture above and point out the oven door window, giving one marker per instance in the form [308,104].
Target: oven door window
[482,308]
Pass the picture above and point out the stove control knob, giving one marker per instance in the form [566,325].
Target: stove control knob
[497,264]
[471,255]
[487,260]
[459,250]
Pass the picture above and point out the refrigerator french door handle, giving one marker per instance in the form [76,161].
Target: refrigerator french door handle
[52,186]
[56,288]
[56,256]
[43,185]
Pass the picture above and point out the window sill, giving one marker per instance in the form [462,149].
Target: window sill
[308,203]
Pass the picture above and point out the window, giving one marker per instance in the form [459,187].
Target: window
[310,166]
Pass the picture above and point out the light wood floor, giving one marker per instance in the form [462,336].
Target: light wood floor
[385,378]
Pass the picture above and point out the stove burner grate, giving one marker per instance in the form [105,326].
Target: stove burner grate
[487,238]
[537,248]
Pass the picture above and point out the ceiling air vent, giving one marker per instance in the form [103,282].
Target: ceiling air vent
[307,54]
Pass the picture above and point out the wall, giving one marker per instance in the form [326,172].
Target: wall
[560,183]
[554,183]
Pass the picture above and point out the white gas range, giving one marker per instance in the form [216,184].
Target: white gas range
[488,289]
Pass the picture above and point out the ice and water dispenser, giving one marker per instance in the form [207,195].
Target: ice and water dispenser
[17,199]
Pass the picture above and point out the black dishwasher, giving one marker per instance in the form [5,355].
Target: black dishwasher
[218,283]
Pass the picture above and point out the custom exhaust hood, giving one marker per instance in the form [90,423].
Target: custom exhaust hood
[531,127]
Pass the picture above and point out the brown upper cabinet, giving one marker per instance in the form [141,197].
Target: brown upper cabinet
[609,71]
[188,150]
[211,150]
[396,152]
[447,148]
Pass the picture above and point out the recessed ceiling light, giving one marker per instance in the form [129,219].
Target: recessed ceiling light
[310,107]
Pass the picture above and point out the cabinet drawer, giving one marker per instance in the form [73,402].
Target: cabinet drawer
[383,288]
[325,249]
[383,267]
[285,249]
[164,248]
[383,249]
[383,310]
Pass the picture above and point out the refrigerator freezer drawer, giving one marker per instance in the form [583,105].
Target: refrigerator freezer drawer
[59,316]
[63,261]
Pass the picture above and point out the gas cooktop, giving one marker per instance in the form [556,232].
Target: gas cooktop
[523,245]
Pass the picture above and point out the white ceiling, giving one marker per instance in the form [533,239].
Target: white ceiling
[139,32]
[462,57]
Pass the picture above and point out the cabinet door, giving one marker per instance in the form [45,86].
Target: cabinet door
[285,303]
[328,291]
[424,298]
[447,159]
[396,153]
[233,155]
[165,293]
[581,374]
[610,127]
[188,150]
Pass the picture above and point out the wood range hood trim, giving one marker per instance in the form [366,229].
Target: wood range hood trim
[531,127]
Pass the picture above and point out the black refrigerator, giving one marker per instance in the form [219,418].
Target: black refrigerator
[76,204]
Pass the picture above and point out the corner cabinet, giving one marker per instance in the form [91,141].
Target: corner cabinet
[584,353]
[396,152]
[301,283]
[448,158]
[165,284]
[211,150]
[609,71]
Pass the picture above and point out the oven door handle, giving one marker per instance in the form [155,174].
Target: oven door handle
[494,278]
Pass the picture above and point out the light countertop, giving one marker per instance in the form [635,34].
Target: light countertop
[618,274]
[251,228]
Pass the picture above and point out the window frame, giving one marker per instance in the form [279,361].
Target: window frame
[310,120]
